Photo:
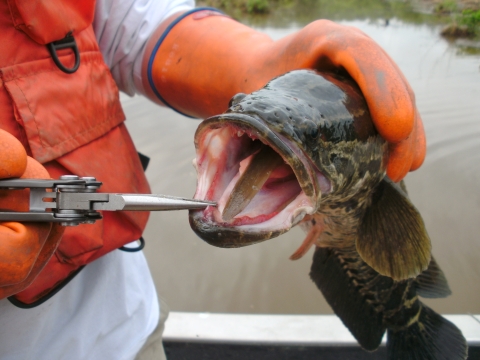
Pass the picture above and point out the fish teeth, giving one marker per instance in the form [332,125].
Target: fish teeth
[300,212]
[240,133]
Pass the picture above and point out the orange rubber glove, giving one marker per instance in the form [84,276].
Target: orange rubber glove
[204,58]
[25,248]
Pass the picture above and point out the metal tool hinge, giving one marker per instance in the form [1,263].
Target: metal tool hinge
[79,201]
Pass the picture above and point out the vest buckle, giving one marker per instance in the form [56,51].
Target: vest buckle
[68,42]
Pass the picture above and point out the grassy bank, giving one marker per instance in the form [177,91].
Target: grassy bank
[464,17]
[247,6]
[461,16]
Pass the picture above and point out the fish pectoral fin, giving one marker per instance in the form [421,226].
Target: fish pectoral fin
[316,229]
[432,282]
[392,237]
[339,279]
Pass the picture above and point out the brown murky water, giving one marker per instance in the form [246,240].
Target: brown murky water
[194,276]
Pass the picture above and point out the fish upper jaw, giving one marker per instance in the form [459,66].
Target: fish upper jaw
[226,145]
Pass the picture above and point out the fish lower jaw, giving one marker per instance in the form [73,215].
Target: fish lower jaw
[209,225]
[283,220]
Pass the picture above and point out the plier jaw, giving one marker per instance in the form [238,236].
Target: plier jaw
[73,200]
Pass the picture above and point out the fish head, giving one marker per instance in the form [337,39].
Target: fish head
[324,144]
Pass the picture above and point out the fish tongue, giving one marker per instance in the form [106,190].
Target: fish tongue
[251,181]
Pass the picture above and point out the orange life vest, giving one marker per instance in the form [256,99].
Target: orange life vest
[70,122]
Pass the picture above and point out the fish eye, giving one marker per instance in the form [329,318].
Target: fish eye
[311,129]
[236,99]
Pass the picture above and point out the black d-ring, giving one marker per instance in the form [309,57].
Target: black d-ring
[135,249]
[68,42]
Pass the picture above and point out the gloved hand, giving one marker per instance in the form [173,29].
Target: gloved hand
[203,60]
[25,248]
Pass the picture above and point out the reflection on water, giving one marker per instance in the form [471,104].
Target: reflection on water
[194,276]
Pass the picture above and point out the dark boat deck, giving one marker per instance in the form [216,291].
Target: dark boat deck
[277,337]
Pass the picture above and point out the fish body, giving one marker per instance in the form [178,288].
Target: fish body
[327,172]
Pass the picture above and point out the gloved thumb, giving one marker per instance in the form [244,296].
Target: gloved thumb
[13,158]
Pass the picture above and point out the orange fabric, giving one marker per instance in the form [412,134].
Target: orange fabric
[52,110]
[25,248]
[50,20]
[73,124]
[52,275]
[204,61]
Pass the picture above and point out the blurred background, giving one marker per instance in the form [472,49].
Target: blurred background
[445,75]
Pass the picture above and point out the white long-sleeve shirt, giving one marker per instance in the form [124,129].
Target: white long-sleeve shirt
[110,308]
[122,29]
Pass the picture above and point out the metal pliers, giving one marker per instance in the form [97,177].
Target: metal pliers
[73,200]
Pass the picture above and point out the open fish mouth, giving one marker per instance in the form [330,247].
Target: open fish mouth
[262,182]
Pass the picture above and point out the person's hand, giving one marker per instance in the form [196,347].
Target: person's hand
[25,248]
[204,60]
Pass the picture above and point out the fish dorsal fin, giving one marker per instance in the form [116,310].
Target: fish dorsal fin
[392,237]
[432,282]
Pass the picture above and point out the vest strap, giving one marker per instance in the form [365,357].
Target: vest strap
[14,301]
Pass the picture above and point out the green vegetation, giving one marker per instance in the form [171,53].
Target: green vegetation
[257,6]
[235,7]
[462,17]
[471,19]
[446,7]
[284,13]
[252,7]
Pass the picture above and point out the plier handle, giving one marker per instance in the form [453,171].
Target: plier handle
[73,200]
